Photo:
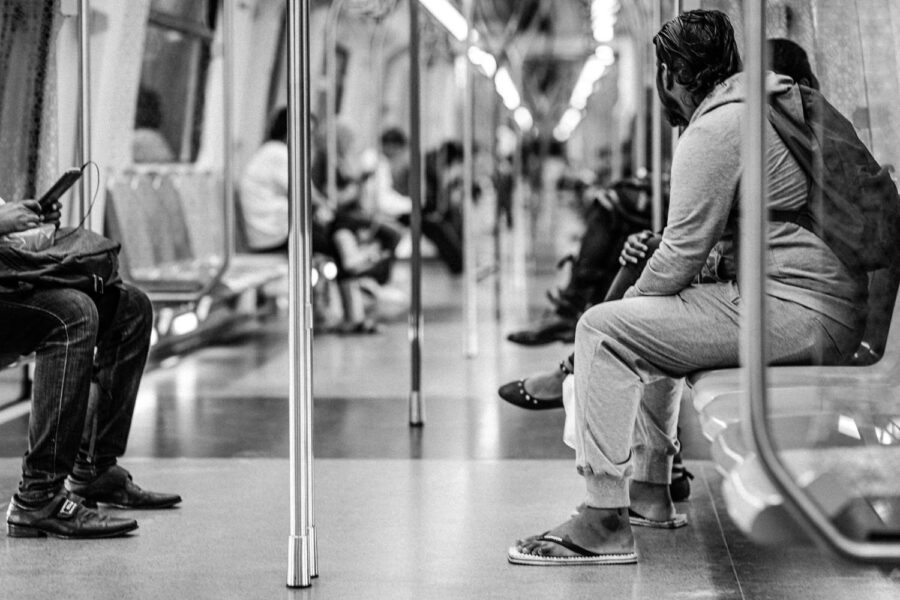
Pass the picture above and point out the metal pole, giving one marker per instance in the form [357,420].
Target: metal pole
[84,39]
[656,140]
[470,275]
[416,402]
[228,125]
[334,13]
[301,544]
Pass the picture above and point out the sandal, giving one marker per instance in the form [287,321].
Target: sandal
[583,555]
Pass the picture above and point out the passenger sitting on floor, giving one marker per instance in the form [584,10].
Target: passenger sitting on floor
[682,314]
[89,357]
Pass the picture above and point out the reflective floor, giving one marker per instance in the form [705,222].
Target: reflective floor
[400,512]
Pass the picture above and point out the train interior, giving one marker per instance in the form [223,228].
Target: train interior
[531,111]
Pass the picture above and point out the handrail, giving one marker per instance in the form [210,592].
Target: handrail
[807,513]
[470,275]
[302,558]
[416,402]
[84,80]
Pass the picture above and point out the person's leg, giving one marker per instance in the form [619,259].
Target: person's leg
[124,342]
[118,367]
[60,326]
[626,408]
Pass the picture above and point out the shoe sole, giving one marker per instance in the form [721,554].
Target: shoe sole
[26,531]
[96,504]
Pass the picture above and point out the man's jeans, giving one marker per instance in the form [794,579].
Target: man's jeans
[76,427]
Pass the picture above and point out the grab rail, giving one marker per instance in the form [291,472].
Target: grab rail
[807,513]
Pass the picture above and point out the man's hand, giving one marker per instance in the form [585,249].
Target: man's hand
[19,216]
[53,214]
[635,250]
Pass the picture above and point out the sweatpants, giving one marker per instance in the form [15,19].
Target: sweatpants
[632,355]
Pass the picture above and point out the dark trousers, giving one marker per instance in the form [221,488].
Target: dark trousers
[74,429]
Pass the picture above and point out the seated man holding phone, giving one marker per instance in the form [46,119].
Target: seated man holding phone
[83,400]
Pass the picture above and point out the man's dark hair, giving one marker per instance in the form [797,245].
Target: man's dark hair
[277,130]
[698,47]
[788,58]
[394,136]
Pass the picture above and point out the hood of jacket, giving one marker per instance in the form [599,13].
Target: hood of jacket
[781,89]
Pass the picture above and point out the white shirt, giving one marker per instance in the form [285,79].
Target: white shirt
[264,196]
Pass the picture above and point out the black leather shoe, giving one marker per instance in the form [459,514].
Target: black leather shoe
[514,393]
[558,330]
[115,488]
[65,516]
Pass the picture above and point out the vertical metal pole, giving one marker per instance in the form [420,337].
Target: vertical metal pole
[416,402]
[228,125]
[753,215]
[470,275]
[331,23]
[301,544]
[84,80]
[656,133]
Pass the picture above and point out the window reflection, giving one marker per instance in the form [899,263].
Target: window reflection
[169,113]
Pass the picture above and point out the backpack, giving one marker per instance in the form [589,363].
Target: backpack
[853,204]
[78,258]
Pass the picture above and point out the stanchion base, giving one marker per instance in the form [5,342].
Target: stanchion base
[314,552]
[298,562]
[416,410]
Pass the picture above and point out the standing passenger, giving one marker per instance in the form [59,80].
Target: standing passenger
[682,314]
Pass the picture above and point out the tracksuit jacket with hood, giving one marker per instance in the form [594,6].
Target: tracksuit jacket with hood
[698,242]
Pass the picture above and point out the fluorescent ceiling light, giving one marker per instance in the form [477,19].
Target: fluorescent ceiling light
[448,16]
[507,89]
[523,118]
[484,60]
[603,19]
[567,124]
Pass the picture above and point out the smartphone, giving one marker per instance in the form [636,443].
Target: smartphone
[59,188]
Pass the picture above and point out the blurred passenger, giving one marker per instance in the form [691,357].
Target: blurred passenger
[612,215]
[375,239]
[89,352]
[682,314]
[148,144]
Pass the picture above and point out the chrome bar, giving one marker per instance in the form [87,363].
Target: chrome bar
[656,125]
[416,402]
[84,81]
[755,411]
[470,270]
[331,23]
[301,545]
[228,128]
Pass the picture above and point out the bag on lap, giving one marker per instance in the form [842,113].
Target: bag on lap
[78,258]
[853,202]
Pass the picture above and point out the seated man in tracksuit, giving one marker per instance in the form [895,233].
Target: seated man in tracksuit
[82,401]
[682,315]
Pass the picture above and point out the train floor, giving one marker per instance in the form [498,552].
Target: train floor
[400,512]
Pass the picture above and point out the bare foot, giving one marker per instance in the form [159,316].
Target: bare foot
[598,530]
[546,385]
[652,500]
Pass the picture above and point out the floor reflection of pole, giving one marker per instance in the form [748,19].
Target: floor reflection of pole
[416,402]
[302,561]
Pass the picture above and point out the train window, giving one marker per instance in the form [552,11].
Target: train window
[177,51]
